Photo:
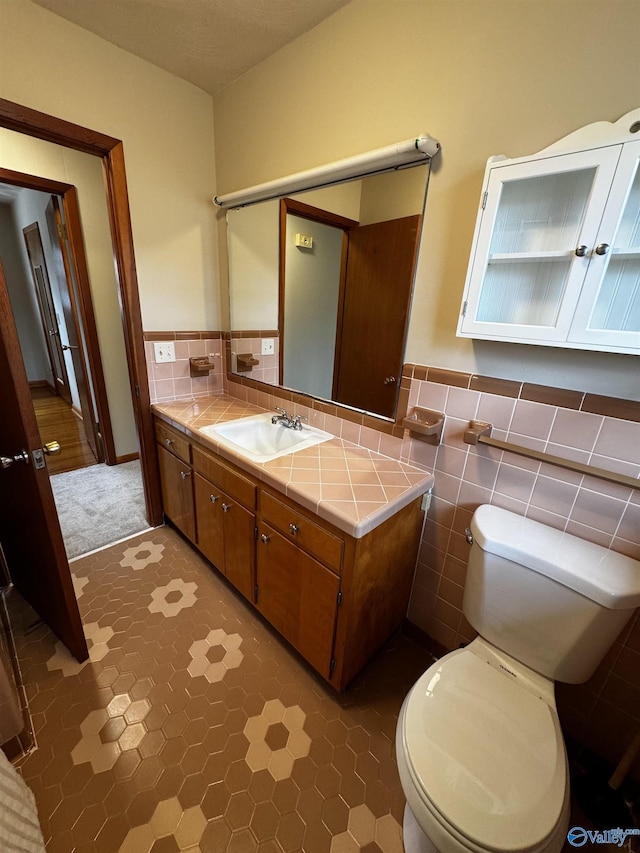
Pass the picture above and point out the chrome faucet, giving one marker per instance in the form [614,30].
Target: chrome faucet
[287,421]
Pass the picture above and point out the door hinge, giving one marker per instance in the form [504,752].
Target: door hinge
[255,536]
[339,598]
[62,231]
[332,667]
[484,199]
[137,390]
[464,308]
[255,594]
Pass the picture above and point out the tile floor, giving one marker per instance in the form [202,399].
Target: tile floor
[194,727]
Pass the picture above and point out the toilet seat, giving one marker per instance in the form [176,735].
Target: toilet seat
[484,755]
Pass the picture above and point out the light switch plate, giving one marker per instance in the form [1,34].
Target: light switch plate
[268,346]
[164,351]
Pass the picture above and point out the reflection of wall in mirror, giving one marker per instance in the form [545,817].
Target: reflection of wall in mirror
[252,234]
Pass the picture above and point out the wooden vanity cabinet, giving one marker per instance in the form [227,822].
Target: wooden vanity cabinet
[225,520]
[335,598]
[176,475]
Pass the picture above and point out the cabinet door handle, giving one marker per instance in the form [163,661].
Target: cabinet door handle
[214,498]
[581,251]
[185,474]
[389,380]
[168,442]
[264,538]
[293,529]
[226,507]
[602,249]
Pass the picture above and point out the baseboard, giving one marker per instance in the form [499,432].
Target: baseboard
[76,411]
[423,639]
[128,457]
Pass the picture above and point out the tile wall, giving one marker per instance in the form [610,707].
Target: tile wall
[267,369]
[173,380]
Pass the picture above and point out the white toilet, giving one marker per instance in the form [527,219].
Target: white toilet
[480,751]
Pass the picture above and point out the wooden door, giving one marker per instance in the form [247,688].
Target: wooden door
[47,310]
[298,596]
[63,273]
[380,270]
[29,528]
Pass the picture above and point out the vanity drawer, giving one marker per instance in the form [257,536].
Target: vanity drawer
[305,533]
[173,441]
[234,484]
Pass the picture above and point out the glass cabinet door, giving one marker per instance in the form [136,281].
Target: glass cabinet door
[609,309]
[539,224]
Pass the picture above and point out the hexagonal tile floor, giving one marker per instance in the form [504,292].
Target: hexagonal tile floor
[193,726]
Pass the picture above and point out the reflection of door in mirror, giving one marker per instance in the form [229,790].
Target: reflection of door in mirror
[377,295]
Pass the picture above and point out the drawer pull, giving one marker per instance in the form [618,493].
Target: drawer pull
[168,442]
[226,507]
[185,474]
[264,538]
[214,498]
[293,529]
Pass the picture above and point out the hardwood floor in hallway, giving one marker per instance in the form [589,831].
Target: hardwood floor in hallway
[58,422]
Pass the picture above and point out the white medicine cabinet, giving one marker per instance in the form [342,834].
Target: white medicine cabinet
[555,258]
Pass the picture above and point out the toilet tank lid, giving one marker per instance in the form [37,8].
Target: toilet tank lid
[607,577]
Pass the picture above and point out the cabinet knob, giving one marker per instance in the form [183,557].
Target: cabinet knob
[293,529]
[264,538]
[168,442]
[214,498]
[389,380]
[602,249]
[185,474]
[226,507]
[581,251]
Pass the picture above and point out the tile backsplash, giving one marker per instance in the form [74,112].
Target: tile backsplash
[173,380]
[604,713]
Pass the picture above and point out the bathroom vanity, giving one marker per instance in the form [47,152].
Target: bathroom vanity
[333,577]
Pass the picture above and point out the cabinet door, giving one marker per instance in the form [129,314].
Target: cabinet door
[226,535]
[177,492]
[608,314]
[298,596]
[532,245]
[210,521]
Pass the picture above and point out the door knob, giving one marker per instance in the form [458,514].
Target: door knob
[6,461]
[51,447]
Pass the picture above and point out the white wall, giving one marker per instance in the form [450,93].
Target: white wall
[166,126]
[485,78]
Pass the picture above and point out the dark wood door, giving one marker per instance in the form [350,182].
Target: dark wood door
[298,596]
[380,270]
[62,271]
[209,521]
[29,528]
[47,308]
[239,546]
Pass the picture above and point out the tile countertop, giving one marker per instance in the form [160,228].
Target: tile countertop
[345,484]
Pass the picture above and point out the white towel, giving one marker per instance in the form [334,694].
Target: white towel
[19,825]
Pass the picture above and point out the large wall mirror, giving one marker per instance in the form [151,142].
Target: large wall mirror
[320,287]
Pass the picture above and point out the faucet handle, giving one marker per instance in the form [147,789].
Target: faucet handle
[283,412]
[297,421]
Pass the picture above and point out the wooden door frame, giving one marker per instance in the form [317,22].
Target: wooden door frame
[324,217]
[24,120]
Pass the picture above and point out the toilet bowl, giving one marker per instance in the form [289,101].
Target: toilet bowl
[480,751]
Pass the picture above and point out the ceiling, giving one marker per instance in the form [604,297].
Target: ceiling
[209,43]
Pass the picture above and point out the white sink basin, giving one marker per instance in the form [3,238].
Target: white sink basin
[260,440]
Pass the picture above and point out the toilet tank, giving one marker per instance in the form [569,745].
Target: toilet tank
[549,599]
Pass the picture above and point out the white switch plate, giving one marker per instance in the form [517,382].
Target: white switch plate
[268,346]
[164,351]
